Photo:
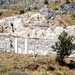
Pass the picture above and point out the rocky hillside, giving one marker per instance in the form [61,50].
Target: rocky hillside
[36,23]
[50,10]
[38,20]
[11,4]
[17,64]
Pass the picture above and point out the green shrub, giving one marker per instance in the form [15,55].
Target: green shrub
[67,2]
[45,1]
[29,9]
[21,12]
[1,13]
[73,15]
[56,8]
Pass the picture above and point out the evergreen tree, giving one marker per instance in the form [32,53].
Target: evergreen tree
[64,46]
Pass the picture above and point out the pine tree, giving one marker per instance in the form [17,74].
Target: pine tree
[64,46]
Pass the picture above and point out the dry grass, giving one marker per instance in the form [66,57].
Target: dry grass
[18,62]
[69,18]
[8,13]
[17,7]
[54,5]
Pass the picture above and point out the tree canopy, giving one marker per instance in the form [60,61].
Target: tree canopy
[64,46]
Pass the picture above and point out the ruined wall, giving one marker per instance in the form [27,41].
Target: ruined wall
[34,46]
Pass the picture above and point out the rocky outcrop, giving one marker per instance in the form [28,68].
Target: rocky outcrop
[70,30]
[35,26]
[32,25]
[66,9]
[33,6]
[46,12]
[29,23]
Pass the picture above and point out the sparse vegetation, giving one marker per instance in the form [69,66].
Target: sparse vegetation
[67,2]
[29,9]
[46,2]
[69,18]
[1,13]
[56,9]
[64,46]
[58,74]
[73,15]
[21,12]
[54,5]
[16,64]
[21,63]
[65,74]
[7,13]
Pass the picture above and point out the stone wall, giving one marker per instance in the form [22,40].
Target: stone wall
[34,46]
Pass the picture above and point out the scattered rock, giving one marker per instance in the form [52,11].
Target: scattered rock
[32,66]
[58,30]
[41,61]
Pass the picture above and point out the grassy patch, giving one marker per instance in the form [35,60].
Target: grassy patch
[12,64]
[70,18]
[53,6]
[8,13]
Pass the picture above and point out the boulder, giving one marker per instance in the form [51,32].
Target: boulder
[58,30]
[48,13]
[1,2]
[66,9]
[70,30]
[71,7]
[61,9]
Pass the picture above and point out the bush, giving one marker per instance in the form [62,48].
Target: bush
[73,15]
[46,2]
[64,46]
[56,8]
[29,9]
[1,13]
[67,2]
[21,12]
